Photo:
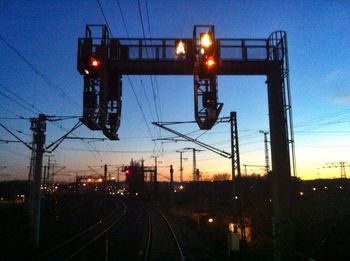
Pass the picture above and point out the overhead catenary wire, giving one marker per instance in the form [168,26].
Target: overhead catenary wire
[16,153]
[36,111]
[151,78]
[49,82]
[12,112]
[132,87]
[130,82]
[20,98]
[18,103]
[155,78]
[149,106]
[322,118]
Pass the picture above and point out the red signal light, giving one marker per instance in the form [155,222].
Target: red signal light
[127,170]
[95,63]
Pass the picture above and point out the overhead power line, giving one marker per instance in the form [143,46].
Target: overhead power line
[130,82]
[322,118]
[144,36]
[49,82]
[123,19]
[18,103]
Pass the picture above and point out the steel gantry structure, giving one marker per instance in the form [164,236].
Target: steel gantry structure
[103,61]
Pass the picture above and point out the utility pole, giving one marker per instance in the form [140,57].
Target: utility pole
[267,161]
[143,175]
[235,160]
[194,170]
[105,179]
[38,126]
[155,179]
[118,173]
[171,175]
[44,180]
[181,165]
[155,172]
[49,164]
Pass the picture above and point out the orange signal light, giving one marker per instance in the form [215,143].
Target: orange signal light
[206,40]
[210,62]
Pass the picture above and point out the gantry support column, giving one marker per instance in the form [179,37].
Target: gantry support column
[281,171]
[235,159]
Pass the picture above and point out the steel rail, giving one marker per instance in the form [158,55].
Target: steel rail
[182,257]
[149,238]
[172,232]
[100,234]
[84,232]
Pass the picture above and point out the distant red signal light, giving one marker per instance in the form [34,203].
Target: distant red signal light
[127,170]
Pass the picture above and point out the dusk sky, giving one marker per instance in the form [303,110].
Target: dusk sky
[38,43]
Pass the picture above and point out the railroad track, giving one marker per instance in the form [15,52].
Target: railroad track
[62,217]
[79,208]
[144,234]
[74,247]
[162,242]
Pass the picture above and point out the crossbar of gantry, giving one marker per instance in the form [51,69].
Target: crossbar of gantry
[134,56]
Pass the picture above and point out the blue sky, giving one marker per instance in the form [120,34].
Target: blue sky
[46,33]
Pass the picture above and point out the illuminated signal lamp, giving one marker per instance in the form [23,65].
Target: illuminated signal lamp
[210,62]
[95,63]
[206,40]
[180,48]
